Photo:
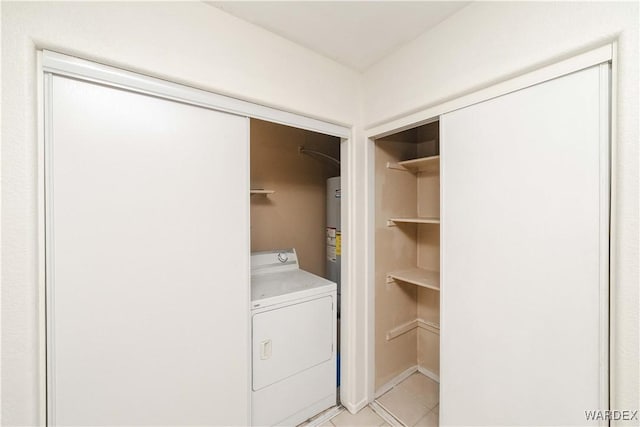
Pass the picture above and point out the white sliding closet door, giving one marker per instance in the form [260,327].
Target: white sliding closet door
[525,205]
[148,259]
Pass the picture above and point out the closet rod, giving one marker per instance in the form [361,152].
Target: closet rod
[310,153]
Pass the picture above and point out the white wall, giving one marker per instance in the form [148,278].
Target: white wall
[186,42]
[195,44]
[487,42]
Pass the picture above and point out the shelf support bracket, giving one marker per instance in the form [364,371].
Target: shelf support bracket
[391,223]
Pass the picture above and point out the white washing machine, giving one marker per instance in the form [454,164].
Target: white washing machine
[293,340]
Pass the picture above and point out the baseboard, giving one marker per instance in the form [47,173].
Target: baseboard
[428,373]
[355,407]
[395,381]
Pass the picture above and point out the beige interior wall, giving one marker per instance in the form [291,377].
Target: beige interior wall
[429,249]
[295,215]
[429,350]
[428,194]
[395,303]
[428,138]
[428,300]
[401,193]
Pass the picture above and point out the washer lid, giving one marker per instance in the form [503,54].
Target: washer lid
[269,289]
[276,277]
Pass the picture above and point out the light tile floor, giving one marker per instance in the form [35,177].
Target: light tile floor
[414,401]
[366,417]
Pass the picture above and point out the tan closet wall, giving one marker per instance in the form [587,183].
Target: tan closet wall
[404,194]
[429,249]
[295,215]
[429,259]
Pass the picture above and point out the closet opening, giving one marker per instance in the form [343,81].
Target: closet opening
[296,251]
[407,275]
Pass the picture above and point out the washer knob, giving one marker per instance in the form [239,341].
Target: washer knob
[283,257]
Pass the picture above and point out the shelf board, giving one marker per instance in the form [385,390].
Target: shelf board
[423,164]
[416,276]
[392,221]
[260,191]
[429,164]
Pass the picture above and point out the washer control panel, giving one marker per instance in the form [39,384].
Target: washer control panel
[274,261]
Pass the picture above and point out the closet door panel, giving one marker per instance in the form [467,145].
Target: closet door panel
[148,260]
[524,255]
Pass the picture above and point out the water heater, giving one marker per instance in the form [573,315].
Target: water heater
[334,232]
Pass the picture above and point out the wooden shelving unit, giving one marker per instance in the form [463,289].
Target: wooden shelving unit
[416,276]
[407,238]
[417,220]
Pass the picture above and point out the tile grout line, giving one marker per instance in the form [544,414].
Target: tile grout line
[358,418]
[388,408]
[325,416]
[386,415]
[425,416]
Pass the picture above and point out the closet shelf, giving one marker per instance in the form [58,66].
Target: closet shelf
[416,276]
[417,220]
[424,164]
[261,191]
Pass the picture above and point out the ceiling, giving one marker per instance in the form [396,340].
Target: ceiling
[354,33]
